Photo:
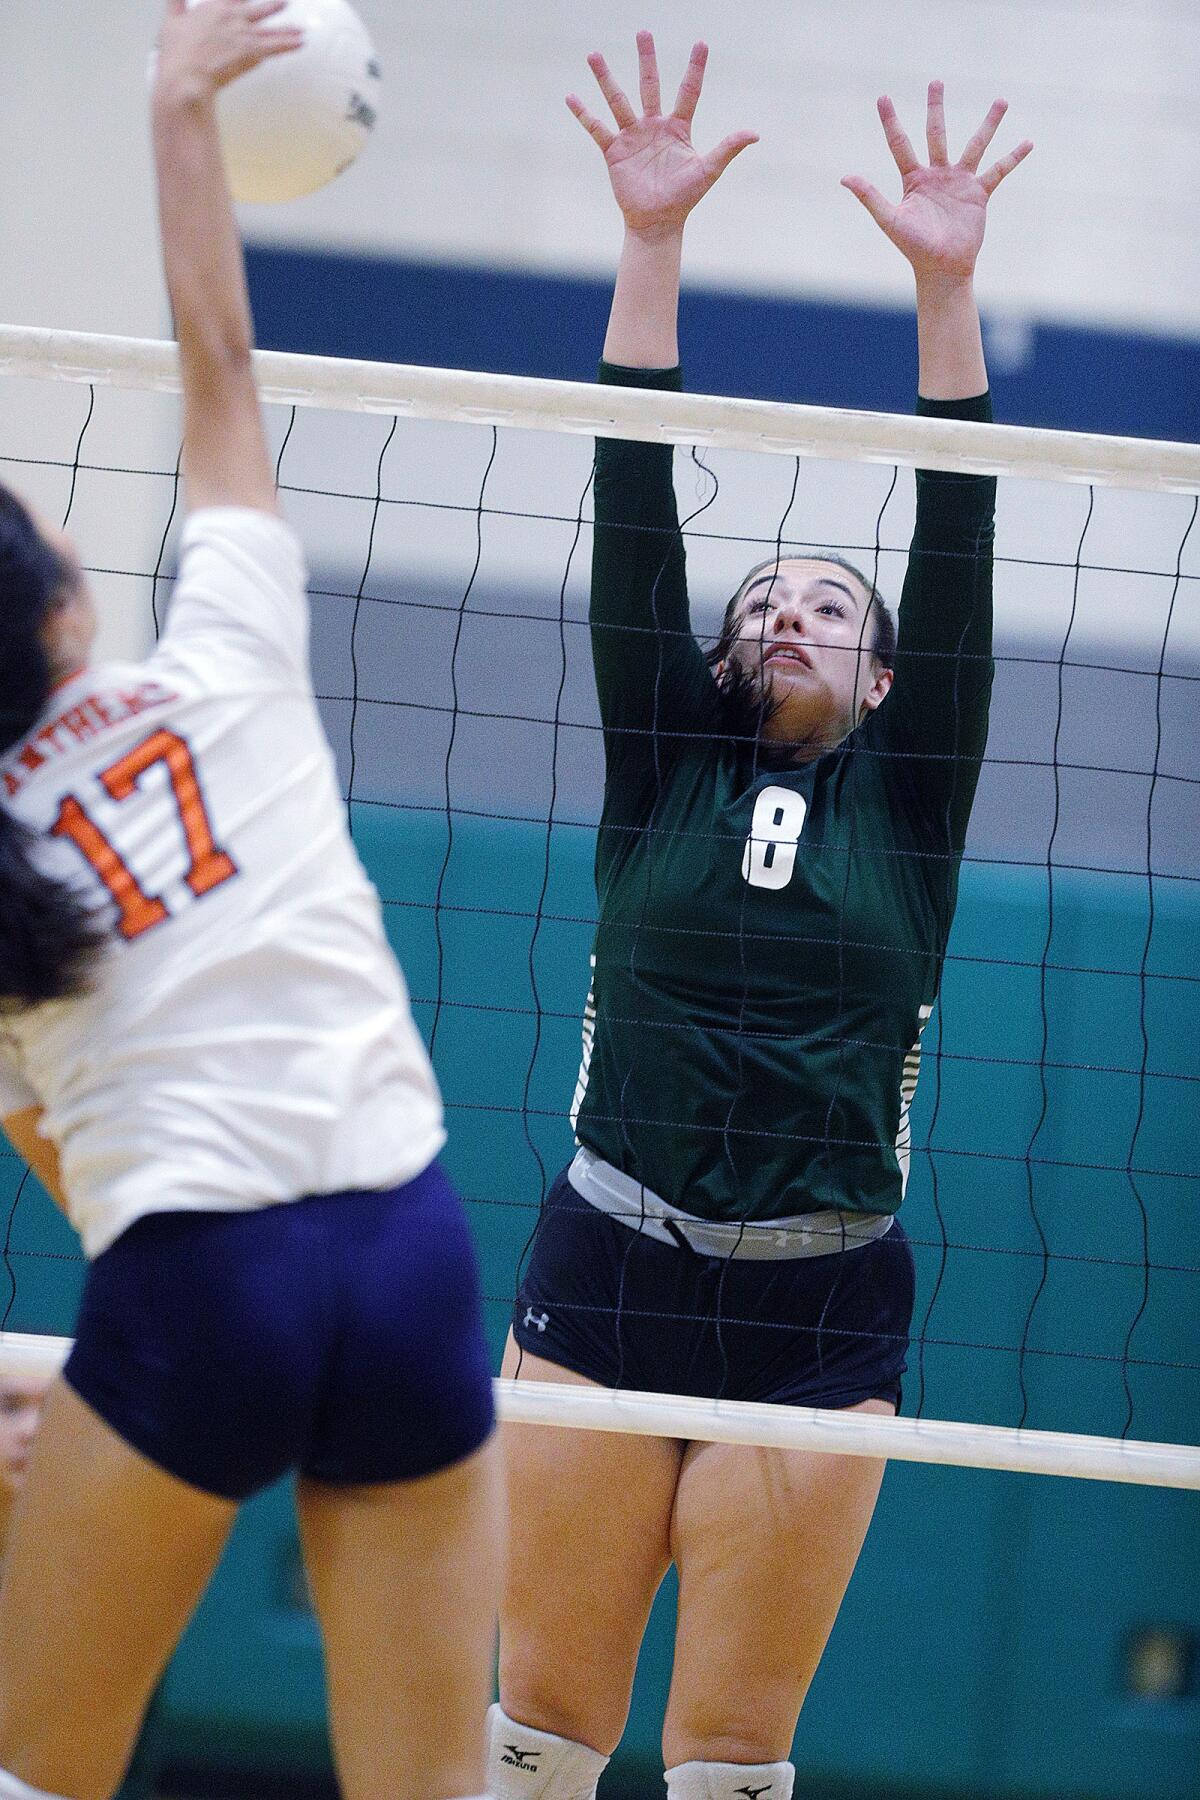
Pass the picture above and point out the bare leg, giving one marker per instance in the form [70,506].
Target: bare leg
[107,1559]
[589,1523]
[766,1542]
[405,1578]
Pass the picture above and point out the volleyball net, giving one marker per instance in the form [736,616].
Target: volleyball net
[1054,1170]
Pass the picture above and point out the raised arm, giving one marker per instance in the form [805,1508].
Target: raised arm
[657,177]
[225,458]
[937,225]
[937,711]
[650,674]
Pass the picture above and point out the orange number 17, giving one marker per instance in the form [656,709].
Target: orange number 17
[137,910]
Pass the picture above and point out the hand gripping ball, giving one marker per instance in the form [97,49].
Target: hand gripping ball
[296,121]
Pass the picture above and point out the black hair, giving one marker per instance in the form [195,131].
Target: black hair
[747,706]
[49,937]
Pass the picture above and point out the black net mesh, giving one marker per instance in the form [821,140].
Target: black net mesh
[1054,1175]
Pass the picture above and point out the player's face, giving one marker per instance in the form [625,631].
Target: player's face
[804,633]
[21,1398]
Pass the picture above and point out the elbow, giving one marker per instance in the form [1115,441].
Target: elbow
[235,353]
[221,355]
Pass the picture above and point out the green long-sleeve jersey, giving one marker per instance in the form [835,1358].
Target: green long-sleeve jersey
[770,939]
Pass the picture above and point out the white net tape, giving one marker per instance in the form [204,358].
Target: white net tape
[954,1442]
[452,395]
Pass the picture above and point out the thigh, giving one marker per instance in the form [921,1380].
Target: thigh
[107,1558]
[405,1578]
[765,1542]
[588,1546]
[149,1756]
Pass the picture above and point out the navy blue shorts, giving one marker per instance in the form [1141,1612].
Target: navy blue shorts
[338,1335]
[630,1312]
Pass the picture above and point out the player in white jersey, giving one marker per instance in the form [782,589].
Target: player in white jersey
[207,1054]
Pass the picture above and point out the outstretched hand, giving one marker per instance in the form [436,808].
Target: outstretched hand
[656,172]
[939,221]
[207,46]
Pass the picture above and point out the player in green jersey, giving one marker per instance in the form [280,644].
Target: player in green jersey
[777,866]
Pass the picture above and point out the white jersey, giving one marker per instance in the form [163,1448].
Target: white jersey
[248,1037]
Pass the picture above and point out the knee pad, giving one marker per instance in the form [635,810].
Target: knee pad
[12,1789]
[730,1781]
[525,1764]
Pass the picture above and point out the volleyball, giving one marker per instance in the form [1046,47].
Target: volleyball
[296,122]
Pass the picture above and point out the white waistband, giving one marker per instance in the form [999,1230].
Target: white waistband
[822,1233]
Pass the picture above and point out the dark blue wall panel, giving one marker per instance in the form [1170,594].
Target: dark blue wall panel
[756,346]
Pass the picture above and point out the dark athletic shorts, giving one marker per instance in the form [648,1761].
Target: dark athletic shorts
[630,1312]
[338,1335]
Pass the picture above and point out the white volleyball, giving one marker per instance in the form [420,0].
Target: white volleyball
[296,121]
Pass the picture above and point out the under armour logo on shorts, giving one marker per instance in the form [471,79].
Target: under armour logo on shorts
[540,1320]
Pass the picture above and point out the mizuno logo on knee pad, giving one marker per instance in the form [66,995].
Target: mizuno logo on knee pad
[516,1758]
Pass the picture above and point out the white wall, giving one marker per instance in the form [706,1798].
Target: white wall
[78,250]
[476,156]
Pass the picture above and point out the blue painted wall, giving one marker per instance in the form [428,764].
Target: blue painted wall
[816,352]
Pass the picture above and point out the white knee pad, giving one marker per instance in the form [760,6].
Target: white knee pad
[524,1764]
[730,1781]
[12,1789]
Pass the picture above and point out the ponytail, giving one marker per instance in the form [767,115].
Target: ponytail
[48,938]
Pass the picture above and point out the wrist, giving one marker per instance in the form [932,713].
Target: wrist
[181,91]
[936,287]
[656,238]
[943,296]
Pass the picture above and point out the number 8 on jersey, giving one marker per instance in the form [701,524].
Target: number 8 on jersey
[770,855]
